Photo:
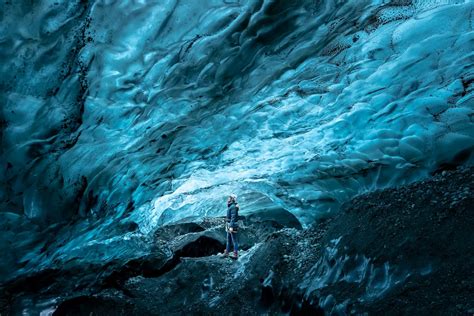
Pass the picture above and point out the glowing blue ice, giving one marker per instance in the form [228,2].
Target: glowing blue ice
[155,110]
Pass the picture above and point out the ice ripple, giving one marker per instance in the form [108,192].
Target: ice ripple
[161,115]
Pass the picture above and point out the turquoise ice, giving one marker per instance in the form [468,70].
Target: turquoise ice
[154,111]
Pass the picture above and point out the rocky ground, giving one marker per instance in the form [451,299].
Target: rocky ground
[405,250]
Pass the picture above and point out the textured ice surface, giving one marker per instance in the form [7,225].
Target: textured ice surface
[375,279]
[155,110]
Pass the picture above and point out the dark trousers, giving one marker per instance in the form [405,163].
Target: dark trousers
[232,240]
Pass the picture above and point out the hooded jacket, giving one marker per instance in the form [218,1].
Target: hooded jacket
[233,214]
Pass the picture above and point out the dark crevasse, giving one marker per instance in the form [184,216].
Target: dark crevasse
[118,117]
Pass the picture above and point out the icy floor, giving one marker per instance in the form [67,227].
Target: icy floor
[155,110]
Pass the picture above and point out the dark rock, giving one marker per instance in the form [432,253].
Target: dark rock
[389,251]
[201,246]
[173,230]
[89,305]
[278,217]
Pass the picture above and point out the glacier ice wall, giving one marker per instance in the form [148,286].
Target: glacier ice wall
[153,111]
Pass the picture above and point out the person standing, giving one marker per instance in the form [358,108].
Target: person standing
[232,226]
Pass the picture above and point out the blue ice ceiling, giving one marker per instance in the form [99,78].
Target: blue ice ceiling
[155,110]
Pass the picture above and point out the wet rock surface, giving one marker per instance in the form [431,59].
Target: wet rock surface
[404,250]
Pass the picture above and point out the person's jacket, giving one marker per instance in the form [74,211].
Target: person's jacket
[233,214]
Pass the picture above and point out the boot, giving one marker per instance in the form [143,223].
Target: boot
[235,255]
[225,253]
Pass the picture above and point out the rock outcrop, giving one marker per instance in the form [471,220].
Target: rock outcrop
[404,250]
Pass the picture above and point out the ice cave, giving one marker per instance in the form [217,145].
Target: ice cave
[341,132]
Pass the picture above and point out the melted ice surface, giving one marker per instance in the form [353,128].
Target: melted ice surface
[156,110]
